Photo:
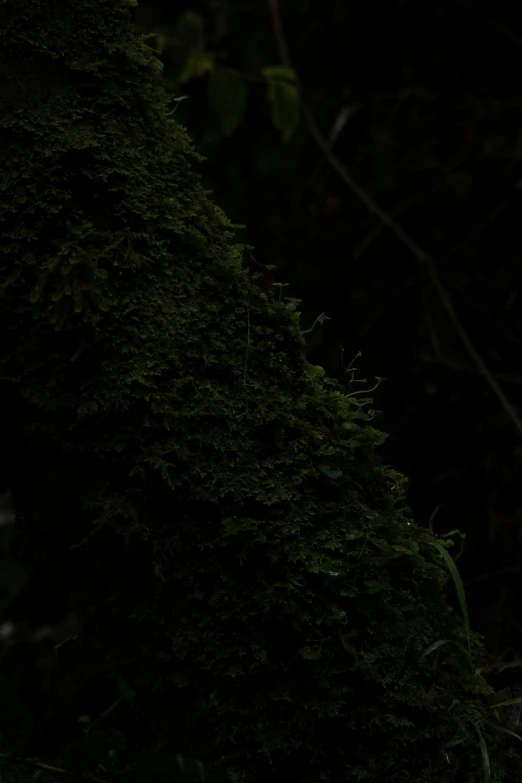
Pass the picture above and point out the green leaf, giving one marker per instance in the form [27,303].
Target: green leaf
[378,437]
[339,615]
[438,644]
[434,646]
[506,703]
[366,416]
[403,550]
[283,94]
[350,426]
[486,768]
[510,733]
[309,653]
[377,520]
[373,586]
[198,64]
[331,473]
[452,568]
[453,743]
[316,370]
[228,96]
[280,73]
[330,566]
[35,294]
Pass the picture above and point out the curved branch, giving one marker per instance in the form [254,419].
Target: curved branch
[424,258]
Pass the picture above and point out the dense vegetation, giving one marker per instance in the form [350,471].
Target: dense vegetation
[245,583]
[417,110]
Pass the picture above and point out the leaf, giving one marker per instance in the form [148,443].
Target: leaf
[280,73]
[331,473]
[486,767]
[35,294]
[283,94]
[228,95]
[373,586]
[316,370]
[434,646]
[376,519]
[350,426]
[378,437]
[366,416]
[198,64]
[506,703]
[452,568]
[339,615]
[511,733]
[403,550]
[309,653]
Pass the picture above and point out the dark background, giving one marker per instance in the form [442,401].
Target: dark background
[432,134]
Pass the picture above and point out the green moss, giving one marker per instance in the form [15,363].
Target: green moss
[244,563]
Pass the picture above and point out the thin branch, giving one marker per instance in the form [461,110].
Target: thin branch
[423,257]
[498,325]
[277,24]
[6,758]
[460,368]
[495,25]
[377,229]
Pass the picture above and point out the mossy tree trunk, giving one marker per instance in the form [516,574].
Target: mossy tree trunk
[211,511]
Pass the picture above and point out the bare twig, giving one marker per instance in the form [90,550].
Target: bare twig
[421,256]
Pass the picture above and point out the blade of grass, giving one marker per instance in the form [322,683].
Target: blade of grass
[452,568]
